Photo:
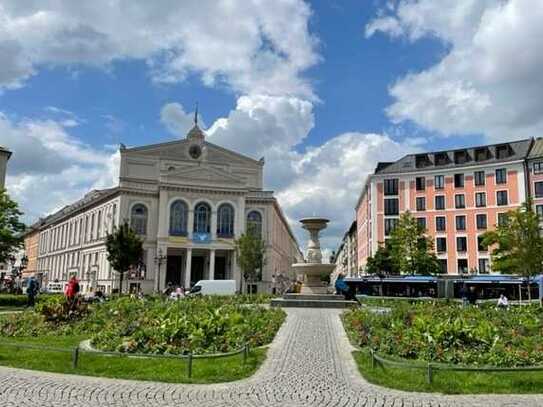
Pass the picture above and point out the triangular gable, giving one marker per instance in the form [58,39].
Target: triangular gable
[202,174]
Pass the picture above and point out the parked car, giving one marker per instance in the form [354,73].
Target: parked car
[214,287]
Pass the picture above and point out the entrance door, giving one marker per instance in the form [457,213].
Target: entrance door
[197,273]
[173,270]
[220,268]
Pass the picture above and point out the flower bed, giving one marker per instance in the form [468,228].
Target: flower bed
[199,325]
[448,333]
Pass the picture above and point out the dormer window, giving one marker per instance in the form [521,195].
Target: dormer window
[442,159]
[503,151]
[461,157]
[482,154]
[422,160]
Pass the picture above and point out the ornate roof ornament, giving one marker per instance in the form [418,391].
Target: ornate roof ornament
[196,132]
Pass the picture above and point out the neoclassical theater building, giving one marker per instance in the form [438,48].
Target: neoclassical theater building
[188,200]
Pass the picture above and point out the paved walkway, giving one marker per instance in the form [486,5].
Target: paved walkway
[309,364]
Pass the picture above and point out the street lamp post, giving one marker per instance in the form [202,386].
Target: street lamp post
[159,259]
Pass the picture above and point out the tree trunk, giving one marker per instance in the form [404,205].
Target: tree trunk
[121,283]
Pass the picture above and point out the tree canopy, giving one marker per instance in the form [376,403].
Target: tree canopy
[517,244]
[11,228]
[124,250]
[412,252]
[381,262]
[250,250]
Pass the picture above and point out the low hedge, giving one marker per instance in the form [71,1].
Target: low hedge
[12,300]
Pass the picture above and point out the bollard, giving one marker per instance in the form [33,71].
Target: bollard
[189,366]
[372,353]
[75,357]
[245,353]
[430,373]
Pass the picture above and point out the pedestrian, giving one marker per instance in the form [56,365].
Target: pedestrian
[168,290]
[274,284]
[464,295]
[342,288]
[503,302]
[32,291]
[472,296]
[177,294]
[71,292]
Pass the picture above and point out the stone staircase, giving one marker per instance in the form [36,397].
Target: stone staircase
[313,301]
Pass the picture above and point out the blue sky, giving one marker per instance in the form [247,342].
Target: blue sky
[322,89]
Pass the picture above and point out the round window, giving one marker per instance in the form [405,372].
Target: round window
[195,151]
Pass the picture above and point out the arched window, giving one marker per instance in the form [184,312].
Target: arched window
[138,219]
[225,221]
[178,218]
[202,218]
[254,223]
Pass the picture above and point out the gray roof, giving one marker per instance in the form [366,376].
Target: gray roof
[517,150]
[537,148]
[90,198]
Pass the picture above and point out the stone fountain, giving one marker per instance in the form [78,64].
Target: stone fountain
[312,273]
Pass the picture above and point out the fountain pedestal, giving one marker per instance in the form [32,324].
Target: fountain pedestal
[314,292]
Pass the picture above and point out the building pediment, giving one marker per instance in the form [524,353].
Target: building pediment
[202,175]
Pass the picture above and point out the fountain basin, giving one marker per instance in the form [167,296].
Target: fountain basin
[311,274]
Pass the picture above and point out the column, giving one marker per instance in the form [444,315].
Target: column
[163,215]
[188,268]
[236,274]
[212,264]
[213,225]
[190,224]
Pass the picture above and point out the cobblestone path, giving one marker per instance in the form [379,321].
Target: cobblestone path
[308,364]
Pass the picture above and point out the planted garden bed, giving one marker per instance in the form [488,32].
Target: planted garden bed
[449,333]
[153,325]
[197,326]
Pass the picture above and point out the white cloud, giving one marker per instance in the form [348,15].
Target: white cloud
[175,119]
[324,180]
[49,167]
[250,46]
[489,81]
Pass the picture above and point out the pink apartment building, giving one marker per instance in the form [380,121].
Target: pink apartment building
[457,195]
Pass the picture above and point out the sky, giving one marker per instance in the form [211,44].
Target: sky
[322,89]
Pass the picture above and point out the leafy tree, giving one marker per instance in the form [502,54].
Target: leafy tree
[250,250]
[124,250]
[381,262]
[518,243]
[411,250]
[11,228]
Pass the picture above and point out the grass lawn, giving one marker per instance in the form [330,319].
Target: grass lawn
[5,309]
[448,382]
[165,370]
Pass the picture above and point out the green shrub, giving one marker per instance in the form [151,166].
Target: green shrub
[12,300]
[154,325]
[452,334]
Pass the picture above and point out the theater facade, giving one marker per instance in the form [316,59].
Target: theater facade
[188,200]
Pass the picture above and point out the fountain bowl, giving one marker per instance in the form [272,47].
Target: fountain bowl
[311,274]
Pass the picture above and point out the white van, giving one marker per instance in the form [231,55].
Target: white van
[214,287]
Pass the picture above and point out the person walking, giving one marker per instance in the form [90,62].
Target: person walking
[343,289]
[31,292]
[72,289]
